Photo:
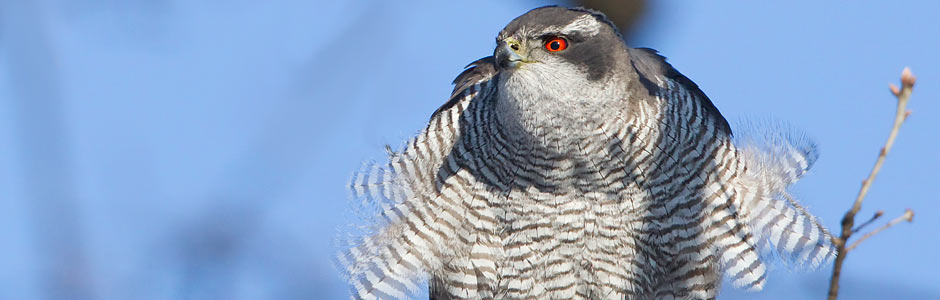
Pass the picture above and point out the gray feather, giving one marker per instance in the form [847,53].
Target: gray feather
[593,172]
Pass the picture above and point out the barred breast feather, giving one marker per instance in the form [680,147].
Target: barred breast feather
[410,213]
[658,202]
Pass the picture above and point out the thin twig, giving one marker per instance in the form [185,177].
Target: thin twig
[874,217]
[907,216]
[848,222]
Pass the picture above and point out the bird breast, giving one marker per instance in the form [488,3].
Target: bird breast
[552,106]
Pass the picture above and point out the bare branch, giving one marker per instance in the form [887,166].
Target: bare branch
[848,221]
[901,114]
[874,217]
[907,216]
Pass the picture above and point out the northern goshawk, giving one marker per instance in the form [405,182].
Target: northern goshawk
[571,166]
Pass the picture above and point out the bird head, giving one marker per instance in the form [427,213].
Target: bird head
[558,68]
[555,39]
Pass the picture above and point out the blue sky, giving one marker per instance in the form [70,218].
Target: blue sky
[199,150]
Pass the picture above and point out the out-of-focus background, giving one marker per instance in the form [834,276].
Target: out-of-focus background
[171,149]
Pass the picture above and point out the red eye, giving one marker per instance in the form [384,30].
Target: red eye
[556,44]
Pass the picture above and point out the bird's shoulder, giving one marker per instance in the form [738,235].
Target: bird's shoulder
[478,72]
[650,65]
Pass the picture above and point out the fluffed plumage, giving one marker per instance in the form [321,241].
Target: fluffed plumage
[607,181]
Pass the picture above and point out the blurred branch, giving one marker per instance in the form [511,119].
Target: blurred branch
[848,222]
[41,141]
[907,216]
[874,217]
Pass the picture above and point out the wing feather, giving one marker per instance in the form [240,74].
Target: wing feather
[771,222]
[399,202]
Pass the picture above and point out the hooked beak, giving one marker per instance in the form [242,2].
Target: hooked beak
[507,55]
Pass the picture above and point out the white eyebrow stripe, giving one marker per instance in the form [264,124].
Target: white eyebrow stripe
[585,24]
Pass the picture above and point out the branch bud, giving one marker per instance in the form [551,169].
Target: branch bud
[907,78]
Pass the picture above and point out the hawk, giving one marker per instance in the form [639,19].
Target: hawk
[571,166]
